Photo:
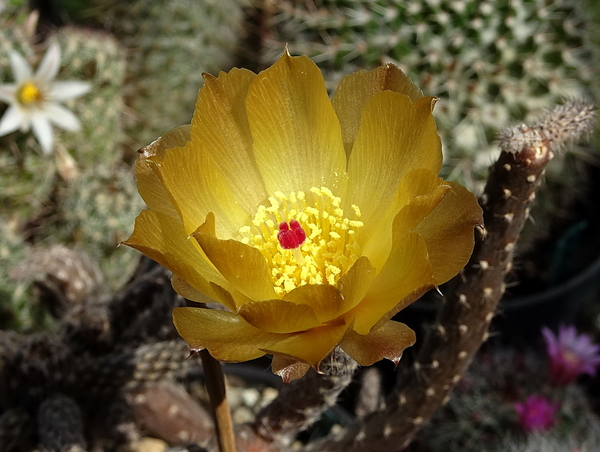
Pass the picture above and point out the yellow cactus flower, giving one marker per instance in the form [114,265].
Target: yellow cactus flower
[312,221]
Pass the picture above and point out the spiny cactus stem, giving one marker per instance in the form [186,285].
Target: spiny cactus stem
[15,429]
[302,402]
[215,386]
[60,425]
[464,318]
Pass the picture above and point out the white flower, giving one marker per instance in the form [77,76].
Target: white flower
[35,98]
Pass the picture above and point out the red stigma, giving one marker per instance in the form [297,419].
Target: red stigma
[291,236]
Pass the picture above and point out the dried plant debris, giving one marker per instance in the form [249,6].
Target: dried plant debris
[73,389]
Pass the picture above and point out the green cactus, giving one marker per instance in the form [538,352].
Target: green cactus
[18,310]
[98,211]
[170,45]
[97,58]
[490,62]
[82,196]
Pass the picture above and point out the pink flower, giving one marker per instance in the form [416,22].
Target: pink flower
[571,354]
[537,413]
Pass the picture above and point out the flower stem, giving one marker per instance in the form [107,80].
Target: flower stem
[215,386]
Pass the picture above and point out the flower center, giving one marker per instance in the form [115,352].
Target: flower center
[571,359]
[305,238]
[29,93]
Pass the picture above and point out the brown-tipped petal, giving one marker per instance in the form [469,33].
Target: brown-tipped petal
[356,89]
[224,334]
[406,271]
[289,369]
[152,188]
[395,137]
[279,316]
[297,136]
[325,300]
[388,342]
[448,232]
[311,346]
[163,239]
[174,138]
[243,266]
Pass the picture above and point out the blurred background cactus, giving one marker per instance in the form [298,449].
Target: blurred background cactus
[169,45]
[98,58]
[40,191]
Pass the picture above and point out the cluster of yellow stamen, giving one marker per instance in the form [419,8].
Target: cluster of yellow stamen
[330,247]
[29,93]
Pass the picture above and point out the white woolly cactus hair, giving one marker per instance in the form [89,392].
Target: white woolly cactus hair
[571,121]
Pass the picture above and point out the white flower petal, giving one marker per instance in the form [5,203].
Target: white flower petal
[8,93]
[20,67]
[12,120]
[50,64]
[61,91]
[62,117]
[43,132]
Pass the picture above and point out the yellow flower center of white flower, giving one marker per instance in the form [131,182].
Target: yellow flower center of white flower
[305,238]
[29,93]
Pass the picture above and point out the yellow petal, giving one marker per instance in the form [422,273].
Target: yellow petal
[418,182]
[174,138]
[220,129]
[419,208]
[152,188]
[329,302]
[229,297]
[356,89]
[406,271]
[355,284]
[243,266]
[163,239]
[395,137]
[297,137]
[448,232]
[189,292]
[418,193]
[279,316]
[311,346]
[197,187]
[289,369]
[388,342]
[324,300]
[224,334]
